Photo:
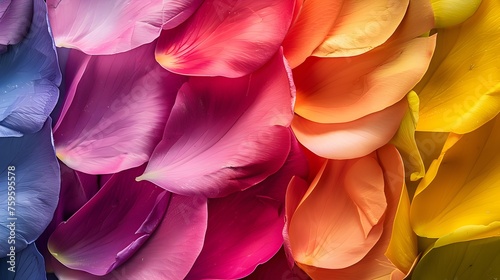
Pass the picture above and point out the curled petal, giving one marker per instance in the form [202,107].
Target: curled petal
[452,12]
[229,38]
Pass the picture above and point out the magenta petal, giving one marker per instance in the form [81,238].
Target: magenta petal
[15,20]
[108,229]
[229,38]
[115,110]
[225,135]
[245,228]
[169,253]
[107,27]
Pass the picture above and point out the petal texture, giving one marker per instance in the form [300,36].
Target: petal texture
[116,110]
[108,27]
[15,20]
[27,264]
[29,77]
[225,135]
[226,38]
[30,175]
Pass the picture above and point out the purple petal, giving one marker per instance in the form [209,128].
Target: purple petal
[30,175]
[29,77]
[225,135]
[108,229]
[115,110]
[245,228]
[107,27]
[15,20]
[169,253]
[26,264]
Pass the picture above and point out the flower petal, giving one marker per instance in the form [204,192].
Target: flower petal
[29,77]
[230,38]
[80,245]
[245,228]
[26,264]
[332,90]
[117,111]
[30,171]
[460,92]
[225,135]
[351,139]
[462,185]
[108,27]
[362,26]
[452,12]
[15,20]
[170,251]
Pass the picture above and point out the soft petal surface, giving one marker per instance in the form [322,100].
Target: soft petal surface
[15,20]
[460,92]
[108,27]
[245,228]
[29,77]
[452,12]
[28,264]
[374,263]
[117,107]
[96,239]
[226,38]
[277,268]
[315,18]
[351,139]
[362,26]
[225,135]
[462,185]
[29,166]
[405,141]
[169,253]
[344,89]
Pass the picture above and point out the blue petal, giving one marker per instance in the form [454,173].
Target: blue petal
[24,265]
[29,79]
[30,172]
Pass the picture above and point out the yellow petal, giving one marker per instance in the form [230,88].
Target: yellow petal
[404,140]
[462,187]
[461,90]
[452,12]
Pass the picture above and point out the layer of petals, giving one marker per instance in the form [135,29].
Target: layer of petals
[15,20]
[230,38]
[27,264]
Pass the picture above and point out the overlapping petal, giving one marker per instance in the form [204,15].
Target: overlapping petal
[230,38]
[452,12]
[351,139]
[460,92]
[29,77]
[97,240]
[108,27]
[461,185]
[26,264]
[15,20]
[30,175]
[362,26]
[171,250]
[245,228]
[225,135]
[115,110]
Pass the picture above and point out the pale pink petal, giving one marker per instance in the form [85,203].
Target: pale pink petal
[115,111]
[352,139]
[225,135]
[108,27]
[229,38]
[170,251]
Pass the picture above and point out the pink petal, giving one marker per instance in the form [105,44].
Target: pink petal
[169,253]
[96,239]
[108,27]
[277,269]
[229,38]
[245,228]
[115,110]
[225,135]
[352,139]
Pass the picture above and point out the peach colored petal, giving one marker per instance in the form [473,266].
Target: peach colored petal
[362,26]
[313,23]
[350,139]
[344,89]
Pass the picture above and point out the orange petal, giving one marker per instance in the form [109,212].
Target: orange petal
[362,26]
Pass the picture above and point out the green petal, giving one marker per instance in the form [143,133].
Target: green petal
[448,13]
[461,90]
